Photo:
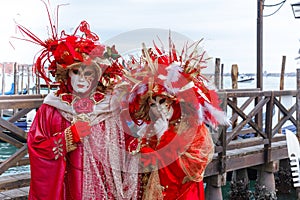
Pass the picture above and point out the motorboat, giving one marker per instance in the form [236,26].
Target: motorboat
[245,78]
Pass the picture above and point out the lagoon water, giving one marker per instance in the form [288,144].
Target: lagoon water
[269,83]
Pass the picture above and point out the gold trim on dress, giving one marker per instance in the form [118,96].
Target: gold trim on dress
[70,145]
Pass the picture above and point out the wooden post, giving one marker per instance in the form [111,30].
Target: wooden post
[213,190]
[15,79]
[234,79]
[217,73]
[22,79]
[265,178]
[38,84]
[281,85]
[222,76]
[240,184]
[28,79]
[234,76]
[3,79]
[259,47]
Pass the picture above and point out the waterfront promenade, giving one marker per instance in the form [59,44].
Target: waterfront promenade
[250,110]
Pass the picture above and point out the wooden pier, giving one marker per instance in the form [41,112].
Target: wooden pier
[14,186]
[251,111]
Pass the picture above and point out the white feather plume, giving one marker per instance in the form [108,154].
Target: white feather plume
[174,71]
[219,115]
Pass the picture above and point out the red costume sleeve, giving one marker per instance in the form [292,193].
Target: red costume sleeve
[187,154]
[195,159]
[47,149]
[164,153]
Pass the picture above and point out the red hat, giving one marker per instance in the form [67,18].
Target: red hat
[177,75]
[62,51]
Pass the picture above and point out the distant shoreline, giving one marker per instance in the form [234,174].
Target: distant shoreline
[291,74]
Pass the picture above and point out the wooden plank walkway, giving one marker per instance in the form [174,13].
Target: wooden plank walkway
[251,156]
[17,186]
[15,194]
[14,186]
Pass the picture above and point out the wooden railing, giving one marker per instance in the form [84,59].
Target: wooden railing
[13,108]
[265,144]
[243,114]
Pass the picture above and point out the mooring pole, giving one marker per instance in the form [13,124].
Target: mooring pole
[259,73]
[259,68]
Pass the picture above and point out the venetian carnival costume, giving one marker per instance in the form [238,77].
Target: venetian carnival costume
[173,106]
[76,143]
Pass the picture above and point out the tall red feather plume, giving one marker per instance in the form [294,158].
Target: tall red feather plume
[61,49]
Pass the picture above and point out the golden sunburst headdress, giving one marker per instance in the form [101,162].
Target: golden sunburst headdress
[177,76]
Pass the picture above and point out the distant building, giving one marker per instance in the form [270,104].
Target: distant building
[8,67]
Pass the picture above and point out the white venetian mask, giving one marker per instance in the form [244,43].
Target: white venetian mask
[83,78]
[160,106]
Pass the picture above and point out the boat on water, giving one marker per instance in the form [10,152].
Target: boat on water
[12,91]
[244,78]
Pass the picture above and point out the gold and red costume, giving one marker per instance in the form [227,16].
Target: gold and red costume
[98,167]
[175,163]
[64,164]
[183,177]
[172,106]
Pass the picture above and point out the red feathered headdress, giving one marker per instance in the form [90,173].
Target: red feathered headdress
[61,51]
[179,74]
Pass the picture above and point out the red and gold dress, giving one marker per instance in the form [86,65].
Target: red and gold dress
[180,160]
[97,168]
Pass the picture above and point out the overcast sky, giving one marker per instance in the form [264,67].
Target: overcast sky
[228,27]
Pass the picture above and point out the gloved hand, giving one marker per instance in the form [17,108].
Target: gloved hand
[80,129]
[160,126]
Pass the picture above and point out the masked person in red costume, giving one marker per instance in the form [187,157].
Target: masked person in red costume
[76,142]
[172,105]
